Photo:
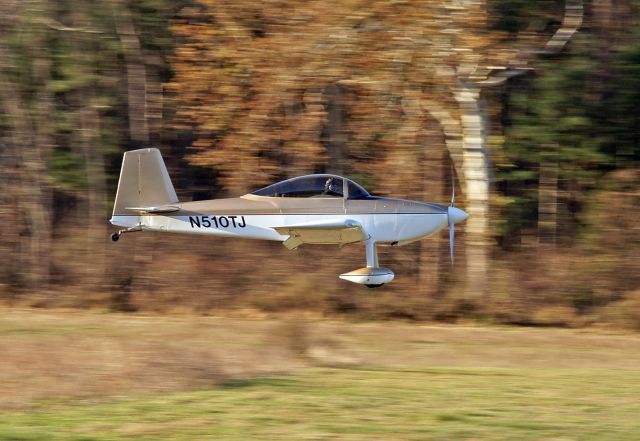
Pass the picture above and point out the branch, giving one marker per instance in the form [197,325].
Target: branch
[572,21]
[573,16]
[57,26]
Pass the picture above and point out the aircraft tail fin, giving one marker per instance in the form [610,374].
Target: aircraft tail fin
[144,182]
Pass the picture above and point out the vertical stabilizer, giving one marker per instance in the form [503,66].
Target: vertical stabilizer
[144,182]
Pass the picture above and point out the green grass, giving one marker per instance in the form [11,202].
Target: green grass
[361,404]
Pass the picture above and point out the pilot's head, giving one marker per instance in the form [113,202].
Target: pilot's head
[329,185]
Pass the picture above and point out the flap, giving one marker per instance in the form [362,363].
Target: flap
[322,232]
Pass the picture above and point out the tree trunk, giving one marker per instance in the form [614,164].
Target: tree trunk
[548,203]
[137,98]
[334,129]
[30,141]
[435,162]
[136,76]
[475,168]
[452,130]
[96,194]
[421,129]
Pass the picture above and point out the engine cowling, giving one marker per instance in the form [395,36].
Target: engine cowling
[369,276]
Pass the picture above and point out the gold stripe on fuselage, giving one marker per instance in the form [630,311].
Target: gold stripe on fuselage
[263,205]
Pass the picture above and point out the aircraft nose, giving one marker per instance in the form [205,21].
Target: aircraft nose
[456,215]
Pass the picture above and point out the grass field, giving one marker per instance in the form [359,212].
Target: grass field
[81,376]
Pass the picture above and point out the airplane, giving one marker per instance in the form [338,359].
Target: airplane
[311,209]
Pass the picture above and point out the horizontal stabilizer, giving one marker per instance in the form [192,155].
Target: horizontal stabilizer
[158,209]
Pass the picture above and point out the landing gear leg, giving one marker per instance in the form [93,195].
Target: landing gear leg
[116,236]
[372,253]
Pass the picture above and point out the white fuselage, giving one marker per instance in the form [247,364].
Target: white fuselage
[382,227]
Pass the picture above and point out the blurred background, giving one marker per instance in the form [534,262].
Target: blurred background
[531,105]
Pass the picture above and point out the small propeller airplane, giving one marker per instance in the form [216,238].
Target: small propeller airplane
[312,209]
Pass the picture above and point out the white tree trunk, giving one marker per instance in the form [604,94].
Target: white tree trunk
[475,168]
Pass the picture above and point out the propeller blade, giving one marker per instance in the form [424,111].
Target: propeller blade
[453,186]
[452,237]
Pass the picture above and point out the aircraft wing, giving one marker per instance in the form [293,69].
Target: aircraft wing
[319,232]
[158,209]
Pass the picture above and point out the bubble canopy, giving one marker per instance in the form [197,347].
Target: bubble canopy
[309,186]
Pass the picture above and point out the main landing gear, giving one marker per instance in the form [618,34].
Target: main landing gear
[373,275]
[116,236]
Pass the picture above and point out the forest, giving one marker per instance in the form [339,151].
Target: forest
[531,108]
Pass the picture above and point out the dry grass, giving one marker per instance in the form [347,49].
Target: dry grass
[64,354]
[69,354]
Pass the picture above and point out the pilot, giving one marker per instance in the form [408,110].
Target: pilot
[329,187]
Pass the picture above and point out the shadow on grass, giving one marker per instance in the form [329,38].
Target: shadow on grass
[258,382]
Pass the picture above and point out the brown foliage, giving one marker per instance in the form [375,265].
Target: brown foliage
[270,94]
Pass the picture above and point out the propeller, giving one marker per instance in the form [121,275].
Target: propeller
[452,237]
[454,215]
[452,228]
